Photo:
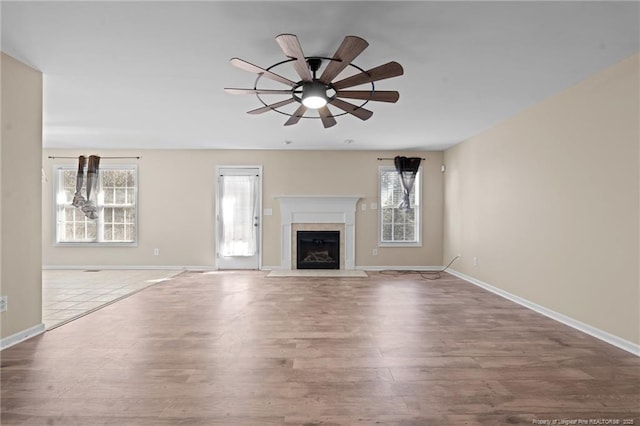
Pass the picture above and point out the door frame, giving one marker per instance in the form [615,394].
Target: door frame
[216,218]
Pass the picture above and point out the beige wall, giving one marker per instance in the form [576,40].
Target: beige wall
[176,205]
[20,181]
[548,202]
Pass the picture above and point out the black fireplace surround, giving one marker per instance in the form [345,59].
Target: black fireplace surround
[318,250]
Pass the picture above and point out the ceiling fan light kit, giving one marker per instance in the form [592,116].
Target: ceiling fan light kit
[314,97]
[317,93]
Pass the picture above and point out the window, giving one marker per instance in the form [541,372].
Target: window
[117,207]
[398,227]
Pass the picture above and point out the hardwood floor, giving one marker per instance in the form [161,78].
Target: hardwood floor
[237,348]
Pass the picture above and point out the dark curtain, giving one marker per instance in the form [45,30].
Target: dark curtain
[90,208]
[407,168]
[78,199]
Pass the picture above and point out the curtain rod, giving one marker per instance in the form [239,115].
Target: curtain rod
[380,159]
[102,158]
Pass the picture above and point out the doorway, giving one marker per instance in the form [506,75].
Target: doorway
[239,217]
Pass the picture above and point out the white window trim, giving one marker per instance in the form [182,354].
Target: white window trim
[55,182]
[418,190]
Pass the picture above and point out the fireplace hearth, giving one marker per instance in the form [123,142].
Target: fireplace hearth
[318,249]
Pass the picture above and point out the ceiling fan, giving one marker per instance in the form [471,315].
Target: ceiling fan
[316,93]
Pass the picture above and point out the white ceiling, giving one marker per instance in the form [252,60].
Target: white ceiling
[151,74]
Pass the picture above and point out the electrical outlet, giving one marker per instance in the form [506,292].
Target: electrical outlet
[156,252]
[475,261]
[374,252]
[363,206]
[3,303]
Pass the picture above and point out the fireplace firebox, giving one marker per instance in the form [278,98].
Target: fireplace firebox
[318,249]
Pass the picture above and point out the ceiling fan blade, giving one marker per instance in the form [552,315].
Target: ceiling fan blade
[271,106]
[350,48]
[296,115]
[388,70]
[326,117]
[378,96]
[247,66]
[361,113]
[291,47]
[256,91]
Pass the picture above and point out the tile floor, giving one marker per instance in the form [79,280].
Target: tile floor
[70,294]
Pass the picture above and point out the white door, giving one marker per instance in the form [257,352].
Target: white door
[238,217]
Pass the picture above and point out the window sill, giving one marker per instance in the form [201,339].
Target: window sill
[401,244]
[87,244]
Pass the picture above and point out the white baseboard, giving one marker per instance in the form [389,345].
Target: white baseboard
[129,267]
[213,268]
[271,268]
[373,268]
[199,268]
[571,322]
[21,336]
[400,268]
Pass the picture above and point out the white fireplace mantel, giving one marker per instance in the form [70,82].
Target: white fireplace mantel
[318,209]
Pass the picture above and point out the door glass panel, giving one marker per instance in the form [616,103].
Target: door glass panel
[238,215]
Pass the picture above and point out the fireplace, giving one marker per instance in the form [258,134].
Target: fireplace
[318,249]
[317,213]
